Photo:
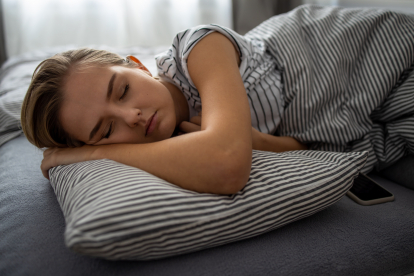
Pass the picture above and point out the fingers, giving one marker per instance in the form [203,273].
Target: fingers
[45,166]
[53,157]
[46,174]
[45,170]
[196,120]
[188,127]
[192,126]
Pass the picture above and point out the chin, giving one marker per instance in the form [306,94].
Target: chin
[166,136]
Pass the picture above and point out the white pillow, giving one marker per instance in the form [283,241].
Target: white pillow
[117,212]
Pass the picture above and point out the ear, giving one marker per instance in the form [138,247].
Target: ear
[141,66]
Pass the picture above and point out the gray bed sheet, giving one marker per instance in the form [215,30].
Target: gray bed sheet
[344,239]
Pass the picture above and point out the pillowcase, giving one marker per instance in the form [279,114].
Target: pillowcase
[115,211]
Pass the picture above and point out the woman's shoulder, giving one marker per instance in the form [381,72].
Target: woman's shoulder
[185,41]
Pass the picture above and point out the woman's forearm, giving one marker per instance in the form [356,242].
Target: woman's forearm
[193,161]
[272,143]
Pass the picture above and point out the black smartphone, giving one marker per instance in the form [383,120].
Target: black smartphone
[366,191]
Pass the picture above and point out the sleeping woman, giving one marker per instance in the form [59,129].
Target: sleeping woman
[307,79]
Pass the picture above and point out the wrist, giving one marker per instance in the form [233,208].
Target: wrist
[96,152]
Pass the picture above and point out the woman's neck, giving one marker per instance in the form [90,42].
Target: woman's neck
[180,103]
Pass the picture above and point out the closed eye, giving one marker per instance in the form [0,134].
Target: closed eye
[109,132]
[125,92]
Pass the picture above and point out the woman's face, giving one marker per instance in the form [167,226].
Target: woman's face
[109,105]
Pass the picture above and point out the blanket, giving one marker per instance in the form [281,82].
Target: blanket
[347,79]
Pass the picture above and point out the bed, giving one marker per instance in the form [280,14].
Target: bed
[343,239]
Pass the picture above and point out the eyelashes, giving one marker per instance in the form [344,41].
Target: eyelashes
[109,131]
[125,92]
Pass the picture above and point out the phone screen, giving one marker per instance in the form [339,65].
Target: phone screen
[366,189]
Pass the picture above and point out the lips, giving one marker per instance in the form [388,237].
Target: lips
[151,124]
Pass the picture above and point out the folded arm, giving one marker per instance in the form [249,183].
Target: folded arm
[260,141]
[216,159]
[267,142]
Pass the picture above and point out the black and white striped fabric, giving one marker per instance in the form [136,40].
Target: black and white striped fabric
[347,79]
[116,211]
[257,69]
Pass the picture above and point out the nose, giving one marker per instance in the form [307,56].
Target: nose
[133,117]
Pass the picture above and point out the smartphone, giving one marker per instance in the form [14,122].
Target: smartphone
[366,191]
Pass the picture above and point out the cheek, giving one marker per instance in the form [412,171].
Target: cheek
[168,126]
[129,135]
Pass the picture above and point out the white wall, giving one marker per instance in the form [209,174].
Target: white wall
[36,24]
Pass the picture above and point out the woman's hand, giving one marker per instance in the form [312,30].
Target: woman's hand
[53,157]
[193,125]
[258,139]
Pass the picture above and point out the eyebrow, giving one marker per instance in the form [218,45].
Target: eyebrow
[108,96]
[110,87]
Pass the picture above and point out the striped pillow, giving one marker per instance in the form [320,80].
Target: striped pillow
[117,212]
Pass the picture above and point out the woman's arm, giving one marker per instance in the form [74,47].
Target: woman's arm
[261,141]
[216,159]
[267,142]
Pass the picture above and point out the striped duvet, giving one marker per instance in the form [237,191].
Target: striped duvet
[348,79]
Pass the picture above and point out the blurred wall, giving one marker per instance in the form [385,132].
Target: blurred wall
[2,39]
[405,6]
[247,14]
[36,24]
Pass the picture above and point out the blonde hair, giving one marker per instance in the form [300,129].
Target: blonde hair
[43,100]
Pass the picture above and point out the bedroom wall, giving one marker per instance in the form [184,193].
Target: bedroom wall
[405,6]
[31,25]
[2,41]
[247,14]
